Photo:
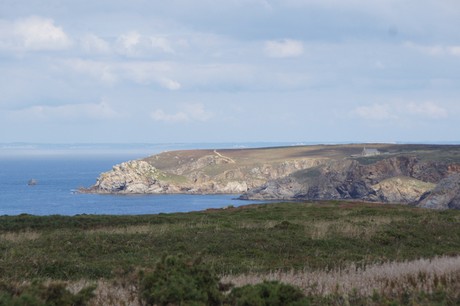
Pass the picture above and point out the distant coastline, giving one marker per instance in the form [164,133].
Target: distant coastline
[26,149]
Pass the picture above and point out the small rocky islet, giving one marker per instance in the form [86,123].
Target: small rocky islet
[421,175]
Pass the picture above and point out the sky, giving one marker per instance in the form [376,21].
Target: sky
[151,71]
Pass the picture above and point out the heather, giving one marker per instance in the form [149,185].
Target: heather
[330,251]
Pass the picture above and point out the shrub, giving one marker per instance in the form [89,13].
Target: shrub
[267,294]
[178,281]
[53,294]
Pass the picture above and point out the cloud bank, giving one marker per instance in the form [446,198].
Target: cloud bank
[284,48]
[270,70]
[33,34]
[400,111]
[188,113]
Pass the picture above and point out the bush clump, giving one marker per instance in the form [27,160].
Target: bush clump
[36,294]
[267,294]
[177,281]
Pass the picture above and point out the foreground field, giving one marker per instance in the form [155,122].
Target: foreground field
[323,248]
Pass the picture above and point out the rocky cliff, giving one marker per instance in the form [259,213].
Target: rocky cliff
[133,177]
[446,195]
[197,172]
[401,179]
[423,175]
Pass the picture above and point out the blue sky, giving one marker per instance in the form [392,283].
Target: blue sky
[229,71]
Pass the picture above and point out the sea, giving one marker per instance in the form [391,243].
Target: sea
[60,170]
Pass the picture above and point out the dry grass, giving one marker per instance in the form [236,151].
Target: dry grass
[325,229]
[386,278]
[257,225]
[19,236]
[134,229]
[154,229]
[350,228]
[347,227]
[110,293]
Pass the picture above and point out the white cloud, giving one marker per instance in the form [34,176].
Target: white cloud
[400,111]
[283,48]
[189,112]
[135,44]
[160,115]
[129,43]
[147,72]
[103,72]
[198,112]
[169,84]
[140,72]
[33,34]
[454,50]
[94,44]
[427,109]
[161,43]
[434,50]
[96,111]
[375,112]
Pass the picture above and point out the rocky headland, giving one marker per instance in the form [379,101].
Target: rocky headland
[422,175]
[201,172]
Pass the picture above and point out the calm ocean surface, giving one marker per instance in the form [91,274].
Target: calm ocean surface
[60,169]
[59,176]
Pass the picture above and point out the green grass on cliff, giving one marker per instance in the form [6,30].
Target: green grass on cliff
[257,238]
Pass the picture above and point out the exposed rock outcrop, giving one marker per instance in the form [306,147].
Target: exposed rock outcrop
[402,179]
[423,175]
[401,189]
[446,195]
[208,174]
[133,177]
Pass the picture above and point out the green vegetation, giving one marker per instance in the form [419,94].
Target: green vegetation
[237,240]
[173,178]
[307,174]
[176,281]
[257,239]
[267,294]
[36,294]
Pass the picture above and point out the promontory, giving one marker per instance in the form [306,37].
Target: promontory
[421,175]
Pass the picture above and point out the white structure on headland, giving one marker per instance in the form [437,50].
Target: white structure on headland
[370,152]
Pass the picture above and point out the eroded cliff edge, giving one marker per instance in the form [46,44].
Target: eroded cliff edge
[203,171]
[423,175]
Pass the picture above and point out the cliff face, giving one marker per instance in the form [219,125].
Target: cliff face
[132,177]
[393,180]
[400,179]
[208,174]
[423,175]
[446,195]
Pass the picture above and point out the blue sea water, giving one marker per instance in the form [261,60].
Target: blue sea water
[60,169]
[59,176]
